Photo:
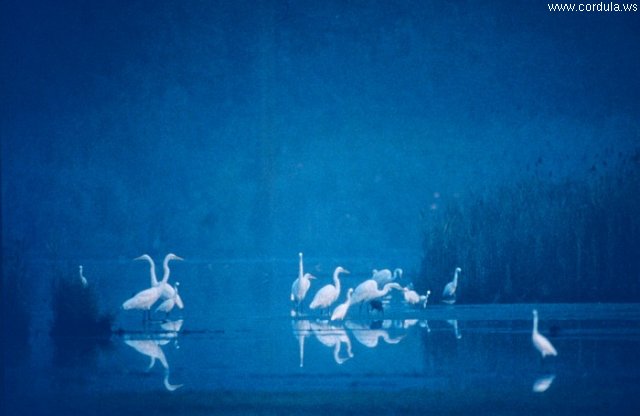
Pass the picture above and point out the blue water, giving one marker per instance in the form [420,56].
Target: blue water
[238,335]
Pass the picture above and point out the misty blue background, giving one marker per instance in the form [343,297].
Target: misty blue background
[243,129]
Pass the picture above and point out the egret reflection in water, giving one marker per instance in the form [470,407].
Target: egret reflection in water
[301,330]
[543,383]
[150,345]
[369,335]
[333,337]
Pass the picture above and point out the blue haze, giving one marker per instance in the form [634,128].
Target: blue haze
[234,129]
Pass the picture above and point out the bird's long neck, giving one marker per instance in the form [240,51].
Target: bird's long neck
[455,278]
[336,279]
[301,268]
[152,272]
[167,272]
[535,324]
[386,289]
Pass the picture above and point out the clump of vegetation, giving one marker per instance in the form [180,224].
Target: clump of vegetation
[15,307]
[75,308]
[542,239]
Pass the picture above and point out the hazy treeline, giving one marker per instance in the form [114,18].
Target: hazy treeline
[541,239]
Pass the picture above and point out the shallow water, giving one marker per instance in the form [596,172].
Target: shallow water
[238,350]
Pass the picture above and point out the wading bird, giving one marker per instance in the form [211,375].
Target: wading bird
[168,304]
[329,293]
[449,292]
[368,291]
[83,279]
[341,310]
[168,291]
[384,276]
[541,343]
[412,297]
[144,299]
[301,285]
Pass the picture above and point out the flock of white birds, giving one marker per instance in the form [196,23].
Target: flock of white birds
[159,290]
[368,292]
[378,286]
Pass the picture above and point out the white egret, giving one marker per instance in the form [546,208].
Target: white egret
[146,298]
[368,291]
[384,276]
[329,293]
[541,343]
[167,290]
[341,310]
[410,296]
[83,279]
[449,292]
[169,303]
[301,285]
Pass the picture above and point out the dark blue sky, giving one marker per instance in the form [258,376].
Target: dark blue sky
[226,127]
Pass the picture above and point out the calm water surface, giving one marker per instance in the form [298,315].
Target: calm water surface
[237,343]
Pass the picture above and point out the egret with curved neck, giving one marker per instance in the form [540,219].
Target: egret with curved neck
[168,291]
[329,293]
[341,310]
[450,288]
[83,279]
[144,299]
[384,276]
[541,343]
[368,291]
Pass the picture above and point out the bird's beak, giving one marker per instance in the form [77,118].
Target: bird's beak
[312,277]
[346,272]
[178,258]
[138,258]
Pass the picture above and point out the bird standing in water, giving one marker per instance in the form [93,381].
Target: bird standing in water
[301,285]
[329,293]
[449,292]
[541,343]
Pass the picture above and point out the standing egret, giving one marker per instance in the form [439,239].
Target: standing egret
[168,304]
[541,343]
[301,285]
[83,279]
[329,293]
[341,310]
[146,298]
[168,290]
[384,276]
[368,291]
[410,296]
[449,292]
